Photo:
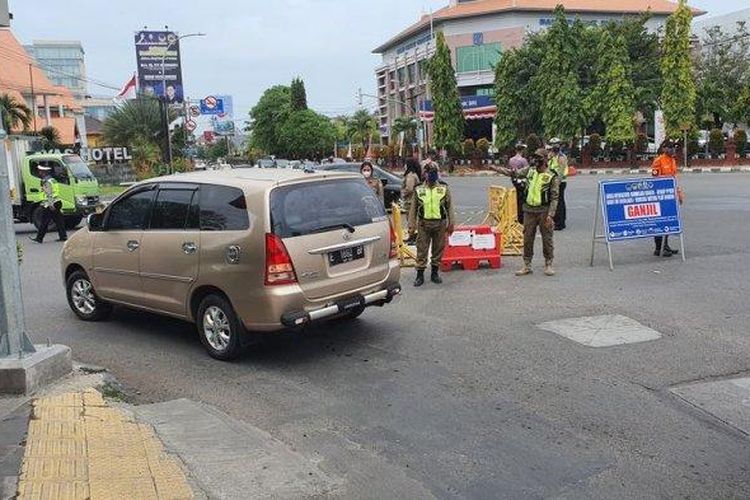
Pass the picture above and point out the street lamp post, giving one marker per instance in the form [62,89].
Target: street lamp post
[13,339]
[164,91]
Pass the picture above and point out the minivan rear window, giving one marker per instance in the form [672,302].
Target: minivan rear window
[314,207]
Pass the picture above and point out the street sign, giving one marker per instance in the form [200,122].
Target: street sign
[637,208]
[212,105]
[195,111]
[190,125]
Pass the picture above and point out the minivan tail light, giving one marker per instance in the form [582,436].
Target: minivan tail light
[394,244]
[279,267]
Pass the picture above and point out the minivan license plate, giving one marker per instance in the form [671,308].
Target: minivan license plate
[346,255]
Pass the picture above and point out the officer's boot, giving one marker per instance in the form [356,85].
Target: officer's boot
[548,269]
[419,281]
[435,276]
[525,270]
[667,248]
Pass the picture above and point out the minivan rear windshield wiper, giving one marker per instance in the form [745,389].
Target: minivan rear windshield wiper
[343,225]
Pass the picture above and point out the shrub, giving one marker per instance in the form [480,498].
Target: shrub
[715,142]
[641,143]
[469,148]
[181,165]
[595,143]
[483,147]
[740,139]
[533,143]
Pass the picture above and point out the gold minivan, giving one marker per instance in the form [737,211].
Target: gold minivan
[236,251]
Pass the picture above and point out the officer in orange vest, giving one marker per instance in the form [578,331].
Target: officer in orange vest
[665,165]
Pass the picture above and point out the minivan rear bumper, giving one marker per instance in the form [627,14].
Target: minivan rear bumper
[296,319]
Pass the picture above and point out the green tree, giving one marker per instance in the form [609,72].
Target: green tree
[723,70]
[361,127]
[136,121]
[267,117]
[449,122]
[614,92]
[50,137]
[678,97]
[307,134]
[408,125]
[298,95]
[563,107]
[16,115]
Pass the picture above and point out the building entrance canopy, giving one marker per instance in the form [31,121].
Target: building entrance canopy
[476,107]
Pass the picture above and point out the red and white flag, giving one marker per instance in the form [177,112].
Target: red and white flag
[128,90]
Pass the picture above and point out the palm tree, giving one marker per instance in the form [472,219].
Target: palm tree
[361,127]
[15,114]
[136,121]
[408,125]
[50,138]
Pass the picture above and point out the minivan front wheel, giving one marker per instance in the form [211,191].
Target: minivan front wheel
[219,328]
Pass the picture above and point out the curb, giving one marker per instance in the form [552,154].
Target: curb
[625,171]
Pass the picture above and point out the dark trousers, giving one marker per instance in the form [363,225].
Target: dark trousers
[520,198]
[431,233]
[658,240]
[48,215]
[562,211]
[532,220]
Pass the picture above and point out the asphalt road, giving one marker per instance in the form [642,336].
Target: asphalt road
[455,388]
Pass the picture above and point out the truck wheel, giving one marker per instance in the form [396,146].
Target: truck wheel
[72,221]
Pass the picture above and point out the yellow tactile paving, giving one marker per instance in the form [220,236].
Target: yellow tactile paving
[78,447]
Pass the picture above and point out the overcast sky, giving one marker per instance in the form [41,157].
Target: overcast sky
[251,44]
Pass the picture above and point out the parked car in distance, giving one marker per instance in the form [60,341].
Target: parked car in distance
[236,251]
[391,182]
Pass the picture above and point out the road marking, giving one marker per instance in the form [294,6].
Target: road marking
[601,331]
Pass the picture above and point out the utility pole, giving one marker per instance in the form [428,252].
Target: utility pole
[13,339]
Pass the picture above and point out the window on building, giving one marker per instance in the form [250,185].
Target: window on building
[477,57]
[401,77]
[412,69]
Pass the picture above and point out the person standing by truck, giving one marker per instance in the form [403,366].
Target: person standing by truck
[51,207]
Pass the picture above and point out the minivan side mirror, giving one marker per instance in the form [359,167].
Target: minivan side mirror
[95,222]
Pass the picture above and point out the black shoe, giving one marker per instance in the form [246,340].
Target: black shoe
[672,251]
[657,253]
[419,281]
[35,240]
[62,239]
[666,253]
[435,277]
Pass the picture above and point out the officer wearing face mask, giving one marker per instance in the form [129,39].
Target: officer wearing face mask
[366,170]
[432,214]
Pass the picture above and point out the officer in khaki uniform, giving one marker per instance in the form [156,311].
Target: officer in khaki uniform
[431,213]
[539,209]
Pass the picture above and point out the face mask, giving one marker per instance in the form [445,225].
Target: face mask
[433,176]
[367,174]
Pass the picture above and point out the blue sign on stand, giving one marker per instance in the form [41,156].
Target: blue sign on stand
[637,208]
[640,208]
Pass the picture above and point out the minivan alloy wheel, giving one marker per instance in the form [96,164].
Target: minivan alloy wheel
[216,328]
[82,294]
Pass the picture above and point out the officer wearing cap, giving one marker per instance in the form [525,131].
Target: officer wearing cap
[51,206]
[539,209]
[558,163]
[432,214]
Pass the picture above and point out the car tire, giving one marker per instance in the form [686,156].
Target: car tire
[83,300]
[219,328]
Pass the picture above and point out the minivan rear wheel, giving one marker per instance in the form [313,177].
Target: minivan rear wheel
[83,300]
[219,328]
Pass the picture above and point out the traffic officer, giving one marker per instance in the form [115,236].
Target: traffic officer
[542,195]
[412,178]
[432,214]
[558,163]
[51,206]
[519,162]
[665,165]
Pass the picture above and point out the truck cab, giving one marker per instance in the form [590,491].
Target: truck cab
[79,189]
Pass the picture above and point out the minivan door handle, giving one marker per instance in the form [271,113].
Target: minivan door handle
[189,247]
[133,245]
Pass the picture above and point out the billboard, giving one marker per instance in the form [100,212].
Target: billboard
[223,123]
[157,52]
[640,208]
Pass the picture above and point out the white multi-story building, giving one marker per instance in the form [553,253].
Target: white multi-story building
[478,32]
[64,63]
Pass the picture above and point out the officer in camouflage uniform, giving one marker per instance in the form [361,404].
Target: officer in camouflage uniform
[432,214]
[542,195]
